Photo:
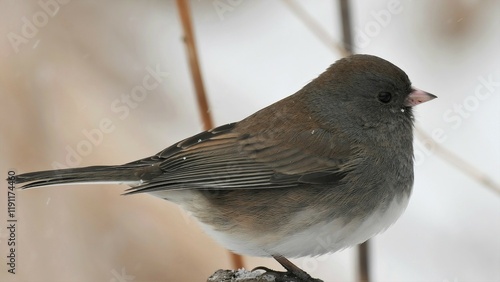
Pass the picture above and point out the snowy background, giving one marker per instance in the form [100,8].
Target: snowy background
[67,67]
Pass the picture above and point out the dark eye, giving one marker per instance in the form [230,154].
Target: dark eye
[384,97]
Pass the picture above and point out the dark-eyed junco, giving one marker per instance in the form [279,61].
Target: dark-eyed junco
[334,159]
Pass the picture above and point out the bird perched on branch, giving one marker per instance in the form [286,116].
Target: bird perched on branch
[321,170]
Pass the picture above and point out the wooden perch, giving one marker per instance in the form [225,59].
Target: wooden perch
[243,275]
[240,275]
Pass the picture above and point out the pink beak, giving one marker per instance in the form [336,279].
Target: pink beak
[418,96]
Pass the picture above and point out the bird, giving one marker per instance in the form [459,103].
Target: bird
[321,170]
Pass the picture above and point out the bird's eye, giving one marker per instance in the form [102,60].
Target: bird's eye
[384,97]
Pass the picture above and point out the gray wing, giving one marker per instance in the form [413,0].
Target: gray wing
[224,158]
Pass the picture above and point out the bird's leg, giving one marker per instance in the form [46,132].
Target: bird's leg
[293,269]
[293,273]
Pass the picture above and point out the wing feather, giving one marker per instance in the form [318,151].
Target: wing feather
[225,158]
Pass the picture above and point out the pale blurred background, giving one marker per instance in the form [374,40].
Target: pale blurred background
[65,68]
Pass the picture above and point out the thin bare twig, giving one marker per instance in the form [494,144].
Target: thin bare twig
[458,162]
[363,248]
[185,15]
[316,28]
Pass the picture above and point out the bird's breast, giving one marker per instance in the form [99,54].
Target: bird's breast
[339,233]
[326,236]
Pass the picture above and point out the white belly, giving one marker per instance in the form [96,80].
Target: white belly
[317,240]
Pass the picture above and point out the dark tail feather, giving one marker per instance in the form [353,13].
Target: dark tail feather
[131,175]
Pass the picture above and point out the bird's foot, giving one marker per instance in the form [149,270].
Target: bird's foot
[293,273]
[286,276]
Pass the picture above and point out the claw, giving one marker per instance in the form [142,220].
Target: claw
[293,273]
